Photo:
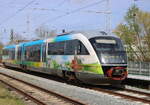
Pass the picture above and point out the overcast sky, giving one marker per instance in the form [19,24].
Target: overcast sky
[26,15]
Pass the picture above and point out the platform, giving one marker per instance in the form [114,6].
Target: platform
[139,77]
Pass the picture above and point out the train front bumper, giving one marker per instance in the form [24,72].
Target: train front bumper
[96,79]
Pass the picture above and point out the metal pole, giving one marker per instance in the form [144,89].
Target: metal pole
[140,68]
[28,24]
[108,20]
[149,69]
[149,75]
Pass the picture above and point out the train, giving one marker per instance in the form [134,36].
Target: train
[90,58]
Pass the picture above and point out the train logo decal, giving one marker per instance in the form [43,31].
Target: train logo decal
[73,63]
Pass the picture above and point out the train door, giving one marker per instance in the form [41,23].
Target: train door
[22,58]
[17,55]
[43,55]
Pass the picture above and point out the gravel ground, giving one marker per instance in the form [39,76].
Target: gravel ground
[45,97]
[8,96]
[24,99]
[91,97]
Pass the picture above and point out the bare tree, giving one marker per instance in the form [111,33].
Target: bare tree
[16,37]
[43,32]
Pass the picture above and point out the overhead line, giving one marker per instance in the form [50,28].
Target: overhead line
[21,9]
[73,11]
[62,3]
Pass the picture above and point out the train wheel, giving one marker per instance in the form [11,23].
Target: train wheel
[70,76]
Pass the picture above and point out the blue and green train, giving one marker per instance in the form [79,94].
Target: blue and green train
[93,59]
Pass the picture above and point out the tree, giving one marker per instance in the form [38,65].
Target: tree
[11,36]
[143,19]
[1,45]
[16,37]
[135,33]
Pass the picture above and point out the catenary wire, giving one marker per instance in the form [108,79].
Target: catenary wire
[19,10]
[71,12]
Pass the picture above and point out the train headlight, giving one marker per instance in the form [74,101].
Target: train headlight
[103,60]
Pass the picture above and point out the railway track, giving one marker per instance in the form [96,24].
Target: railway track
[128,94]
[37,94]
[133,95]
[23,93]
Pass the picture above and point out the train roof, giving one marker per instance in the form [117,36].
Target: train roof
[9,46]
[91,34]
[25,44]
[34,43]
[80,34]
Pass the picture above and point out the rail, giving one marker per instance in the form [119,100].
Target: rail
[125,94]
[76,102]
[23,93]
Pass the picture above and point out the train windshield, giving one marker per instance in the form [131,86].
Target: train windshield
[110,50]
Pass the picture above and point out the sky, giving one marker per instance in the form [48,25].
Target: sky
[24,16]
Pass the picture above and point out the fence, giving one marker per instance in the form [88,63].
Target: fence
[139,68]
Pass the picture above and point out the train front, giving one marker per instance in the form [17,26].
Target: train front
[112,56]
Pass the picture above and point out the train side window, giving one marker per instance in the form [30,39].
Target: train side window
[33,53]
[28,55]
[11,53]
[70,47]
[82,50]
[37,53]
[56,48]
[60,48]
[5,52]
[51,46]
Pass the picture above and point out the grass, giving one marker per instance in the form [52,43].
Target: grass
[6,98]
